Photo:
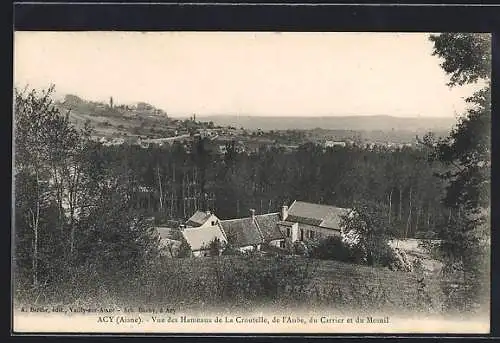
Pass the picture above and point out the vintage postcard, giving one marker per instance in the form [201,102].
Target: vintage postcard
[251,182]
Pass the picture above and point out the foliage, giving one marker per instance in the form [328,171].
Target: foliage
[184,249]
[301,248]
[402,179]
[331,248]
[467,56]
[244,281]
[464,239]
[73,210]
[372,232]
[230,250]
[397,259]
[215,247]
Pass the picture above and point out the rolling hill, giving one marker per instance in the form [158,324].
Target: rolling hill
[144,120]
[107,120]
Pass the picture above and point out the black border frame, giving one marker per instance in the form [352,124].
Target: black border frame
[460,15]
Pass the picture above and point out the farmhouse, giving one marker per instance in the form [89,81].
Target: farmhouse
[301,222]
[199,238]
[201,229]
[250,233]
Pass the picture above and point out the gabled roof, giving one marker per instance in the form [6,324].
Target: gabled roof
[242,232]
[198,218]
[268,225]
[314,214]
[332,221]
[200,238]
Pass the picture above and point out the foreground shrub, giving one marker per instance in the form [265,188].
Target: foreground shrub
[261,280]
[331,248]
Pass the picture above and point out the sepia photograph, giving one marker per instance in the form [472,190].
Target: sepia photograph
[251,182]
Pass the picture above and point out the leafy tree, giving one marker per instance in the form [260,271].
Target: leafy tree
[466,56]
[215,247]
[110,231]
[331,248]
[71,199]
[367,228]
[46,144]
[466,151]
[230,250]
[184,249]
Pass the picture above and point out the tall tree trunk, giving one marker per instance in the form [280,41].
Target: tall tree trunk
[35,250]
[36,219]
[72,206]
[183,189]
[59,196]
[160,188]
[419,210]
[172,192]
[171,205]
[408,222]
[400,204]
[429,216]
[390,206]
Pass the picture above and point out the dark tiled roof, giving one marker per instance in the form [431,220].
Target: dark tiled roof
[268,225]
[198,218]
[241,232]
[314,214]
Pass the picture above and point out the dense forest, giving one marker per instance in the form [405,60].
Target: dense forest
[80,205]
[174,184]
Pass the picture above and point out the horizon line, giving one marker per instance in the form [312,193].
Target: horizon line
[309,116]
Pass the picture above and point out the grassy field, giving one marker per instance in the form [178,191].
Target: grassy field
[239,283]
[287,282]
[108,124]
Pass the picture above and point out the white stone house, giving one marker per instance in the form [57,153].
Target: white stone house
[306,221]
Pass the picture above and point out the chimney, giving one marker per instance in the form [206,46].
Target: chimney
[208,212]
[252,213]
[284,212]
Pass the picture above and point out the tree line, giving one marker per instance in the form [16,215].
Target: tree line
[176,183]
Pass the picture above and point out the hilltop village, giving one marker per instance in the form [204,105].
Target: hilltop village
[144,125]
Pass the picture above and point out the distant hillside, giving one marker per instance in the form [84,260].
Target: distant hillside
[144,120]
[355,123]
[108,119]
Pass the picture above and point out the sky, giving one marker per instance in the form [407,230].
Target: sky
[245,73]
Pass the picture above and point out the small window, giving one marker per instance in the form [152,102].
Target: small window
[311,234]
[288,232]
[214,222]
[282,244]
